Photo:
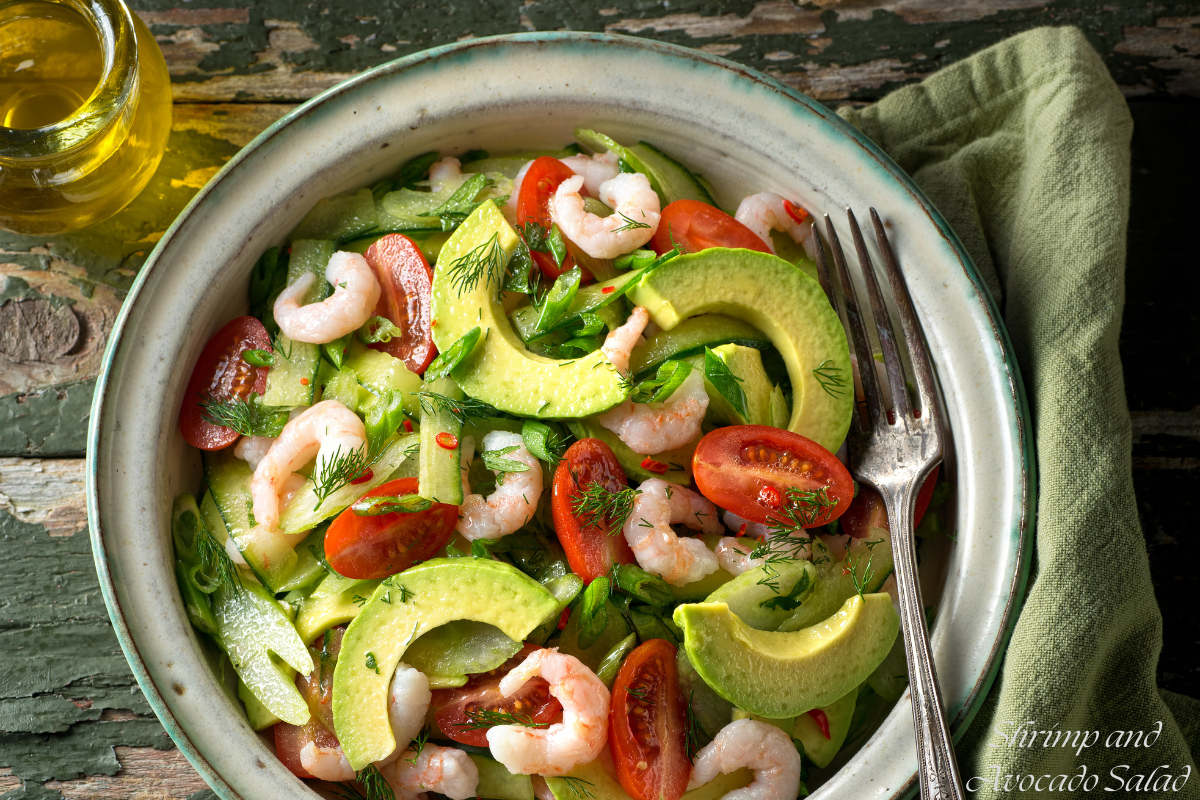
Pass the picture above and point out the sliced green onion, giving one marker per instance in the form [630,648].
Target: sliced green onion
[556,245]
[559,298]
[670,376]
[378,330]
[650,589]
[638,259]
[592,612]
[579,346]
[391,504]
[259,358]
[441,366]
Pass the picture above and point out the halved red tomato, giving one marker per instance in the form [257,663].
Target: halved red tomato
[482,692]
[647,725]
[868,511]
[697,226]
[221,372]
[377,546]
[541,180]
[406,280]
[289,741]
[752,470]
[591,550]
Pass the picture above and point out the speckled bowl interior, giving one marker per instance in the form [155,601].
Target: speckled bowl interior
[743,131]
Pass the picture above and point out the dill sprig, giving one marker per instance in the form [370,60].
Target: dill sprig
[417,745]
[578,786]
[630,224]
[484,262]
[786,535]
[462,410]
[341,469]
[478,718]
[640,694]
[598,506]
[373,783]
[830,378]
[215,561]
[861,583]
[247,417]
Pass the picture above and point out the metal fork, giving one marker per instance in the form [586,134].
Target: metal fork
[894,455]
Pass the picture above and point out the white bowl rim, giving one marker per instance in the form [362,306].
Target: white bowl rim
[1024,436]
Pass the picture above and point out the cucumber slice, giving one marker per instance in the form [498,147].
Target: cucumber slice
[258,714]
[308,569]
[835,584]
[497,783]
[292,381]
[266,552]
[441,465]
[460,647]
[599,143]
[676,180]
[689,338]
[311,255]
[767,596]
[339,218]
[380,372]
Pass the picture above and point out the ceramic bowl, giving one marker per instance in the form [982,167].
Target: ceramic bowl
[744,131]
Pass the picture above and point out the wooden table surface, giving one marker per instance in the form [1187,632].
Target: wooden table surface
[72,721]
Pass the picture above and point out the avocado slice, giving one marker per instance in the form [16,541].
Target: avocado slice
[689,338]
[746,364]
[500,370]
[818,665]
[782,302]
[868,561]
[817,749]
[335,601]
[767,596]
[438,591]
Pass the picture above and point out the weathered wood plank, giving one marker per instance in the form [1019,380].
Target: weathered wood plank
[848,50]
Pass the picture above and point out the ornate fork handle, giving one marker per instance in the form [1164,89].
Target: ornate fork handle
[937,767]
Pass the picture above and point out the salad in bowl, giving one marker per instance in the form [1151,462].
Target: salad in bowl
[520,480]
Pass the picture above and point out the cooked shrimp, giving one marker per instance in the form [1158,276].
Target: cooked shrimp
[763,748]
[658,549]
[558,749]
[596,170]
[515,499]
[466,453]
[251,449]
[408,702]
[445,770]
[322,755]
[765,211]
[650,428]
[445,174]
[355,294]
[734,555]
[326,430]
[633,222]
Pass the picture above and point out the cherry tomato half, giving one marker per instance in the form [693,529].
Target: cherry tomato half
[221,372]
[541,180]
[868,511]
[646,725]
[482,692]
[377,546]
[406,281]
[289,741]
[590,549]
[749,469]
[697,226]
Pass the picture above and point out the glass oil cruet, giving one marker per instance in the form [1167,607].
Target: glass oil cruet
[85,111]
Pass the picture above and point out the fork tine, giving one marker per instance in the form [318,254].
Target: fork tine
[922,368]
[858,331]
[883,323]
[822,265]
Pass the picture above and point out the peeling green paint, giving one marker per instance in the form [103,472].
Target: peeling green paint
[18,289]
[50,422]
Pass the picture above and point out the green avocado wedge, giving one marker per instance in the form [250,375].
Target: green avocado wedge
[818,749]
[782,302]
[403,608]
[818,664]
[500,370]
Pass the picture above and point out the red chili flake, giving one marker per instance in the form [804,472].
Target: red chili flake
[655,466]
[742,530]
[608,290]
[446,440]
[821,720]
[304,381]
[562,621]
[433,323]
[408,426]
[799,215]
[769,496]
[366,476]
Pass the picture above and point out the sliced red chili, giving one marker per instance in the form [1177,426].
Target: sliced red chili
[655,466]
[366,476]
[799,215]
[818,715]
[446,440]
[608,290]
[408,425]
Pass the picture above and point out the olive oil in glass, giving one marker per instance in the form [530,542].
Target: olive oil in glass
[85,111]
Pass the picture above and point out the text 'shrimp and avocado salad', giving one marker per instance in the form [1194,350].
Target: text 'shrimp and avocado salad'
[519,481]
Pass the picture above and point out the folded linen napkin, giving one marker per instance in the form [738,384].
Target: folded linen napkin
[1024,147]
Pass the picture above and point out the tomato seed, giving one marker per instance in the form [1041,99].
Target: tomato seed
[447,441]
[304,381]
[769,496]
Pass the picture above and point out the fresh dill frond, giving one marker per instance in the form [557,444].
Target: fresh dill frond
[769,578]
[485,262]
[247,417]
[787,536]
[375,785]
[478,718]
[215,562]
[340,469]
[630,224]
[578,786]
[830,378]
[868,573]
[598,506]
[358,600]
[417,745]
[462,410]
[640,694]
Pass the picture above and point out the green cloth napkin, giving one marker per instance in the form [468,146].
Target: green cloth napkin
[1024,147]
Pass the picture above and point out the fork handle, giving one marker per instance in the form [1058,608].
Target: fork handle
[937,766]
